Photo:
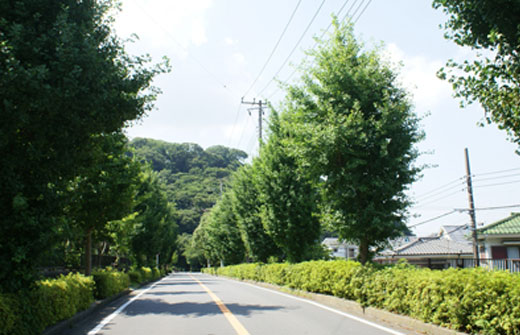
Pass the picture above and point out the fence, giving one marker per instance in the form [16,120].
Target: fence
[511,265]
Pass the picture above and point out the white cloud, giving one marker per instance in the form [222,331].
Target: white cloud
[239,58]
[418,76]
[230,41]
[175,24]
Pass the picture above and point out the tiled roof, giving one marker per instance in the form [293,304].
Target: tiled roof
[456,233]
[507,226]
[433,246]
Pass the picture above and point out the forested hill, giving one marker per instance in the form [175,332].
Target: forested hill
[193,176]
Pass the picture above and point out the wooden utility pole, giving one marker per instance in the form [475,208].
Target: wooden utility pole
[471,211]
[260,113]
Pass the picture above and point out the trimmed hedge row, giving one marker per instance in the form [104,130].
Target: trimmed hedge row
[53,300]
[470,300]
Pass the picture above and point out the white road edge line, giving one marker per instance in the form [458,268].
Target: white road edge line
[109,318]
[375,325]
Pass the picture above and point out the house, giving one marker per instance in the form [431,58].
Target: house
[339,248]
[499,244]
[450,247]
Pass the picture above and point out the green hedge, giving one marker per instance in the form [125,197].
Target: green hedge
[470,300]
[53,300]
[110,282]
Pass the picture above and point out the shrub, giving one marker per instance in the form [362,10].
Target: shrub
[47,303]
[146,274]
[110,282]
[470,300]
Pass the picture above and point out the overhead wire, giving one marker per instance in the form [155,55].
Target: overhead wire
[274,49]
[487,208]
[478,179]
[432,219]
[498,184]
[495,172]
[323,34]
[458,180]
[421,205]
[294,48]
[214,76]
[364,9]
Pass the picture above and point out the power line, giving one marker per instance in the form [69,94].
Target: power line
[439,199]
[357,9]
[441,191]
[487,208]
[364,9]
[186,50]
[348,12]
[496,172]
[459,180]
[432,219]
[321,36]
[477,179]
[294,49]
[234,125]
[274,49]
[499,184]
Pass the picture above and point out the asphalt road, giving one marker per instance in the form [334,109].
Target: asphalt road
[185,303]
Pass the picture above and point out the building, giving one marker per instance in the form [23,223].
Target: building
[339,248]
[499,244]
[451,247]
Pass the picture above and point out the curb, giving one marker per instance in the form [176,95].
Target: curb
[58,328]
[413,326]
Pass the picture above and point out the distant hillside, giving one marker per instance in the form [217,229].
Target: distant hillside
[193,176]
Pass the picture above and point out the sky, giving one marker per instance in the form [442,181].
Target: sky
[222,50]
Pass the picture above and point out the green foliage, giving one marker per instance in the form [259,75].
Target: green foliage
[110,282]
[247,208]
[105,192]
[218,235]
[50,301]
[65,78]
[155,227]
[287,195]
[493,79]
[351,127]
[469,300]
[194,177]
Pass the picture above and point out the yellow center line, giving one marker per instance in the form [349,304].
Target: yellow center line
[227,313]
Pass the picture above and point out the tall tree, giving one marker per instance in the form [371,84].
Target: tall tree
[155,224]
[493,79]
[287,195]
[105,192]
[247,208]
[63,78]
[352,125]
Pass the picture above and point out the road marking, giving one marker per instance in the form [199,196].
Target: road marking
[375,325]
[239,328]
[109,318]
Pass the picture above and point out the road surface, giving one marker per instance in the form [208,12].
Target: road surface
[198,304]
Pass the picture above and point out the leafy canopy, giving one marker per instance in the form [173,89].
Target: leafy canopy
[493,78]
[353,128]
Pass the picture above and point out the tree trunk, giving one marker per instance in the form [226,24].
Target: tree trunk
[363,251]
[88,253]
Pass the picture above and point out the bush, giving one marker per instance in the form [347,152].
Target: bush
[470,300]
[146,274]
[110,282]
[135,276]
[49,302]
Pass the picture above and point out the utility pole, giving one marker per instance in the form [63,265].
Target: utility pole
[260,113]
[472,211]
